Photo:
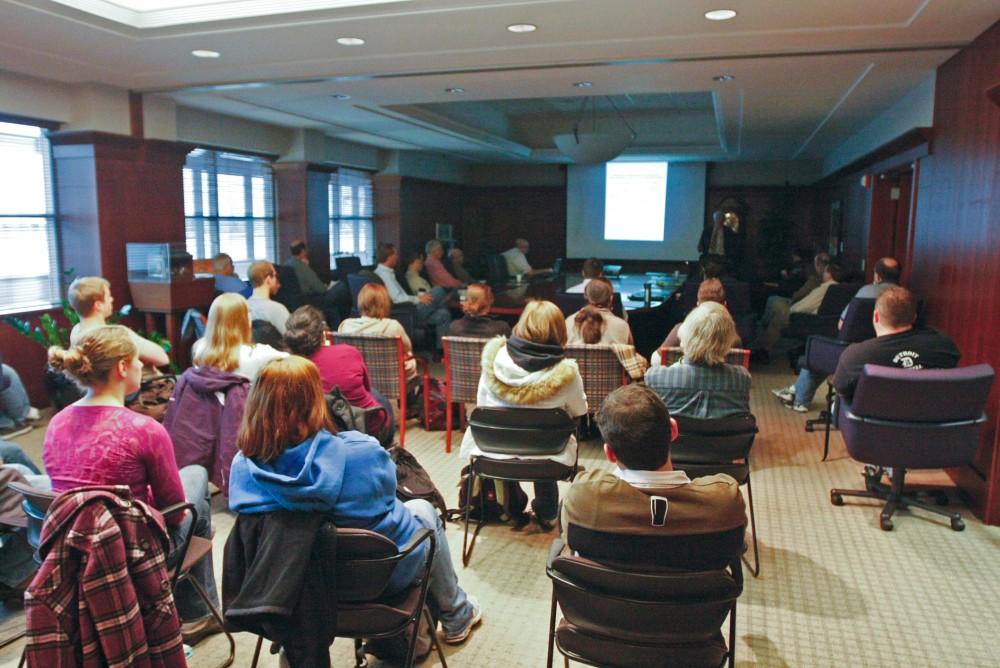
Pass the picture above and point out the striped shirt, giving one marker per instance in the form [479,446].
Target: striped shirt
[700,391]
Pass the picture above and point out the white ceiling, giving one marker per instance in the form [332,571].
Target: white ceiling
[808,74]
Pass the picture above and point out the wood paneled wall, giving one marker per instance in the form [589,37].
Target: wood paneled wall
[956,253]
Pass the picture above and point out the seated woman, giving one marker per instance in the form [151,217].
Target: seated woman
[477,322]
[90,297]
[97,441]
[228,342]
[595,323]
[529,369]
[291,459]
[339,366]
[414,279]
[375,306]
[702,385]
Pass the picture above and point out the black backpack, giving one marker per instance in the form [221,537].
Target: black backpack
[413,481]
[503,500]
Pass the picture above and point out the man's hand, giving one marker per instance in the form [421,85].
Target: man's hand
[426,298]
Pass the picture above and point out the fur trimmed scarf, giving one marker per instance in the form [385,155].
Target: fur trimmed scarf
[537,386]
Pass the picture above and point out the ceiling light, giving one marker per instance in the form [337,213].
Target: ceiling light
[350,41]
[595,145]
[454,90]
[720,15]
[723,77]
[340,96]
[205,53]
[522,27]
[584,84]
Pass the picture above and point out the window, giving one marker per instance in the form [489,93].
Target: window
[29,265]
[352,227]
[229,207]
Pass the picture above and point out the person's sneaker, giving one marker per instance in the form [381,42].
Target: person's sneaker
[785,393]
[16,430]
[798,408]
[458,637]
[33,415]
[545,525]
[194,632]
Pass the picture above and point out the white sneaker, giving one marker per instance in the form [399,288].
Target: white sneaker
[785,393]
[33,415]
[798,408]
[458,637]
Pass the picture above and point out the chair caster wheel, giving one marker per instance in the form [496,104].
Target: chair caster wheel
[885,523]
[809,428]
[836,499]
[941,499]
[957,524]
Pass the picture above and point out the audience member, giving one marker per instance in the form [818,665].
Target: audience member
[897,343]
[709,290]
[517,261]
[457,258]
[14,456]
[781,309]
[439,275]
[375,307]
[812,281]
[431,310]
[340,366]
[530,369]
[613,515]
[90,297]
[702,385]
[799,395]
[592,268]
[16,412]
[228,342]
[477,321]
[265,283]
[226,279]
[595,323]
[310,284]
[414,278]
[291,460]
[97,441]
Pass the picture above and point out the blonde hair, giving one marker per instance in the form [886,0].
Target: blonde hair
[707,334]
[85,291]
[373,301]
[91,360]
[259,272]
[228,328]
[478,300]
[542,322]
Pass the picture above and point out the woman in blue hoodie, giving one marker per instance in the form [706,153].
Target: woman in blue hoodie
[291,459]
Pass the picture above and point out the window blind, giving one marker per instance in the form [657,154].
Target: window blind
[229,207]
[352,226]
[29,257]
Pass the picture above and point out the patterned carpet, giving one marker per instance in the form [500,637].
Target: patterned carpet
[834,589]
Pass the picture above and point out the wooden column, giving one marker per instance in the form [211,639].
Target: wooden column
[387,191]
[302,207]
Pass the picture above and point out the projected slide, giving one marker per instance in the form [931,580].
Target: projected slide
[635,201]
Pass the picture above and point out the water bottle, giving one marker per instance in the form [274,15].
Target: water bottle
[649,294]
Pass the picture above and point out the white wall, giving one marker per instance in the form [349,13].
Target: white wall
[764,173]
[913,110]
[430,166]
[211,129]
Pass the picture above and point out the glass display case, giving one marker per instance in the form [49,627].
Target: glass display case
[158,262]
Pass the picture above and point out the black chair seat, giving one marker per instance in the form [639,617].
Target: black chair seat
[606,651]
[522,469]
[384,616]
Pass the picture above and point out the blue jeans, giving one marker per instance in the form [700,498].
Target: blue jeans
[13,454]
[190,606]
[435,314]
[806,385]
[13,401]
[454,605]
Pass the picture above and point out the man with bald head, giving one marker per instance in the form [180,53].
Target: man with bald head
[886,274]
[517,262]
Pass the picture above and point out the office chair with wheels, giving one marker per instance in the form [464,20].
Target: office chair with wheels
[901,419]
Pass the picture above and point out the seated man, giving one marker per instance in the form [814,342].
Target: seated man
[592,268]
[431,310]
[90,297]
[265,284]
[439,275]
[517,262]
[17,416]
[226,279]
[644,511]
[800,394]
[458,270]
[336,297]
[896,343]
[780,311]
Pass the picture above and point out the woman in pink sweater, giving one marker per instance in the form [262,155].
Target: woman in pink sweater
[97,441]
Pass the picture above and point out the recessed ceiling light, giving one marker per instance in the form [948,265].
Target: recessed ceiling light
[584,84]
[720,15]
[350,41]
[340,96]
[205,53]
[723,77]
[454,90]
[522,27]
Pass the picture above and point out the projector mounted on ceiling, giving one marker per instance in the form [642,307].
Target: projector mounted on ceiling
[595,146]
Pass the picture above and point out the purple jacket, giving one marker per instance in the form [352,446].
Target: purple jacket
[203,428]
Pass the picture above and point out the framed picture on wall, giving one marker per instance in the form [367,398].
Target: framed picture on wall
[443,232]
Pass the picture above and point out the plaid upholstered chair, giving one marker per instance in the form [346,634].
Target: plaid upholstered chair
[735,356]
[600,369]
[386,361]
[462,368]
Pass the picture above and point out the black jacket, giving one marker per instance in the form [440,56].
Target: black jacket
[279,581]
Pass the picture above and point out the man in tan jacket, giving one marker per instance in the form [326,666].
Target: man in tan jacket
[643,511]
